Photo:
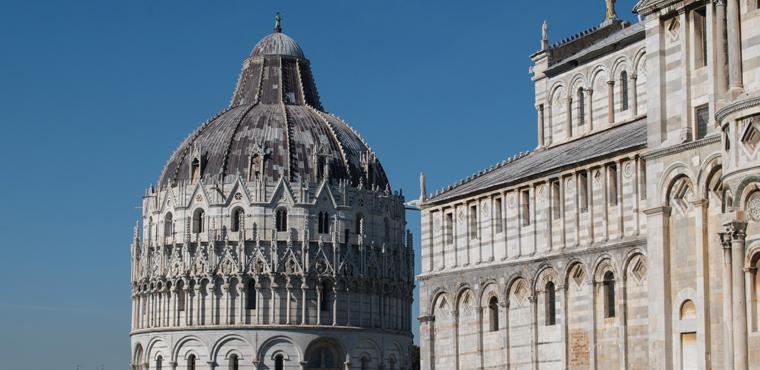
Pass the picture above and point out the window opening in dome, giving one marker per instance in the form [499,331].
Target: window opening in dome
[238,216]
[199,221]
[281,219]
[255,167]
[195,170]
[321,164]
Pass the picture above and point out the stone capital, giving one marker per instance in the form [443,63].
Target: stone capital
[737,230]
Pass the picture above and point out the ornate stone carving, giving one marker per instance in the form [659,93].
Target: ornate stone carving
[753,206]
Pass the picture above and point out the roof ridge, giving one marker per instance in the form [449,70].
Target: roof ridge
[462,181]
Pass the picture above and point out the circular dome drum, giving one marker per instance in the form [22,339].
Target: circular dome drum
[273,239]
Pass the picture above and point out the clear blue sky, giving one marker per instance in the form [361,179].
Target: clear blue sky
[95,95]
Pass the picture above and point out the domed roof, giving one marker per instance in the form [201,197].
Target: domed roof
[277,43]
[275,128]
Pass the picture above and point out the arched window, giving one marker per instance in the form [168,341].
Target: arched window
[392,363]
[359,227]
[322,357]
[493,314]
[609,294]
[324,223]
[386,229]
[191,362]
[623,91]
[233,362]
[278,362]
[281,219]
[168,224]
[581,108]
[550,298]
[180,295]
[238,216]
[199,221]
[250,294]
[323,297]
[159,362]
[364,363]
[195,170]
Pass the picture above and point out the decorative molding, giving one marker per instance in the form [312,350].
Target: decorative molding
[659,153]
[740,105]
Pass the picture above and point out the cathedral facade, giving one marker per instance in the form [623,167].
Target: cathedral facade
[273,239]
[630,237]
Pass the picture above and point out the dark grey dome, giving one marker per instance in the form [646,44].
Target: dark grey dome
[275,128]
[277,43]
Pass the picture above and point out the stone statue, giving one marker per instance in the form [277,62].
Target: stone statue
[423,191]
[277,22]
[611,14]
[545,36]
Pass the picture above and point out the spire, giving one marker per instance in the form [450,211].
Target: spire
[278,23]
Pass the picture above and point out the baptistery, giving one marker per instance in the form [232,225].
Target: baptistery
[272,239]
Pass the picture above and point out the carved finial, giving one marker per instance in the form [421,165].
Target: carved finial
[277,23]
[611,14]
[545,35]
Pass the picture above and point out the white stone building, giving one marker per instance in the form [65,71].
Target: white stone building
[272,240]
[630,237]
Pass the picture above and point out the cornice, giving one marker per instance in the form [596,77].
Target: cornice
[659,153]
[736,107]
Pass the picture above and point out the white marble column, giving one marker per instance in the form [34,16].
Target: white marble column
[303,302]
[737,232]
[719,44]
[241,304]
[734,46]
[288,286]
[540,125]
